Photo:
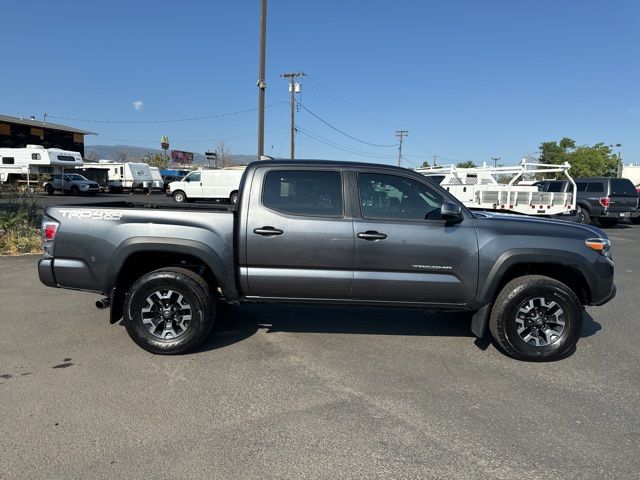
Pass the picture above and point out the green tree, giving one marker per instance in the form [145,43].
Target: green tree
[467,164]
[586,161]
[156,160]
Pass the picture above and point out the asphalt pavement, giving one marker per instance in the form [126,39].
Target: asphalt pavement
[313,392]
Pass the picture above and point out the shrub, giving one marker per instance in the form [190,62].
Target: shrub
[20,224]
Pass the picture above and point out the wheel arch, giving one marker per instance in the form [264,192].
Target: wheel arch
[136,257]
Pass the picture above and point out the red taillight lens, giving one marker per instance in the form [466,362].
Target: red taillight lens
[50,231]
[605,202]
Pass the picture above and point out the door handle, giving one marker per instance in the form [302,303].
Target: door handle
[372,235]
[268,231]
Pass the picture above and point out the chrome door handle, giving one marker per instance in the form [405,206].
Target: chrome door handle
[372,235]
[268,231]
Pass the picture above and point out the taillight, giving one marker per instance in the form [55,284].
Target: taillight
[605,202]
[49,230]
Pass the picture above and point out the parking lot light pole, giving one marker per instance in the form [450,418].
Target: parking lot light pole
[262,86]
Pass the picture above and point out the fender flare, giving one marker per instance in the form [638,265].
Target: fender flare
[208,255]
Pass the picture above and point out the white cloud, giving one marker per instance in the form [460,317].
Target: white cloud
[138,104]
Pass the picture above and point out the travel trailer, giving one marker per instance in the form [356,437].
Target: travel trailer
[219,184]
[127,175]
[158,182]
[20,163]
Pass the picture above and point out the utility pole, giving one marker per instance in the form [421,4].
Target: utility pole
[401,134]
[262,86]
[292,88]
[434,159]
[495,161]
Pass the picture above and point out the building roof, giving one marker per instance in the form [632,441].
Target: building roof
[39,124]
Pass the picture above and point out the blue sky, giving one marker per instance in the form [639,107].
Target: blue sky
[468,79]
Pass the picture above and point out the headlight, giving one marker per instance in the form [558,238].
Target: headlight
[84,186]
[600,245]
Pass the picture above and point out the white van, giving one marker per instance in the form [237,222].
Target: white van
[220,184]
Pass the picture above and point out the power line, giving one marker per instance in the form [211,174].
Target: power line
[344,133]
[352,106]
[189,119]
[342,147]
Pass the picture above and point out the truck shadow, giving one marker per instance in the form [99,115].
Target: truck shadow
[235,323]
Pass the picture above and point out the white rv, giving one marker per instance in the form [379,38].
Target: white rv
[219,184]
[127,175]
[16,163]
[632,172]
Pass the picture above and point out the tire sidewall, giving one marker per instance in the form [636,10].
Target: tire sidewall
[572,316]
[179,196]
[201,312]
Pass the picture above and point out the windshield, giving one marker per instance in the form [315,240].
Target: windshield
[74,177]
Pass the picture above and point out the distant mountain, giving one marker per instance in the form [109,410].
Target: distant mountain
[131,154]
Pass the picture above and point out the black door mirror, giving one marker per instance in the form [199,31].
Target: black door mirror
[451,212]
[187,179]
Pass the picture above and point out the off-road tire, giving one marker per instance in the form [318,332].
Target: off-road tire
[197,294]
[504,328]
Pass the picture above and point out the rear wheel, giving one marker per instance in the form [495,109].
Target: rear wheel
[169,311]
[635,220]
[584,216]
[75,190]
[536,318]
[608,222]
[49,189]
[179,196]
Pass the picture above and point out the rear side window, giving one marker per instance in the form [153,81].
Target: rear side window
[581,186]
[622,186]
[595,187]
[35,156]
[304,192]
[8,161]
[66,158]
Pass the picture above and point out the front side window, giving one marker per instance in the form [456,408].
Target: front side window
[555,187]
[193,177]
[8,161]
[581,186]
[304,192]
[397,198]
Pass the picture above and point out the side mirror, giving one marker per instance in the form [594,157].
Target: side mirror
[451,212]
[187,179]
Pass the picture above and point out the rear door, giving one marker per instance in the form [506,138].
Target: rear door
[623,197]
[404,251]
[299,240]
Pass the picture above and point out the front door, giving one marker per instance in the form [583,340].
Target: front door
[193,185]
[404,251]
[299,241]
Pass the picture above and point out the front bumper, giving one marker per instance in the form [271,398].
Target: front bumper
[609,297]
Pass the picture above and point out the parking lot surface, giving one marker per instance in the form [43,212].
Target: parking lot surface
[313,392]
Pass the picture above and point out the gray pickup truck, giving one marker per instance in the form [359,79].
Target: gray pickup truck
[334,233]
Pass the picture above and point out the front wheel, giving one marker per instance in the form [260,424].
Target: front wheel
[169,311]
[536,318]
[179,196]
[50,190]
